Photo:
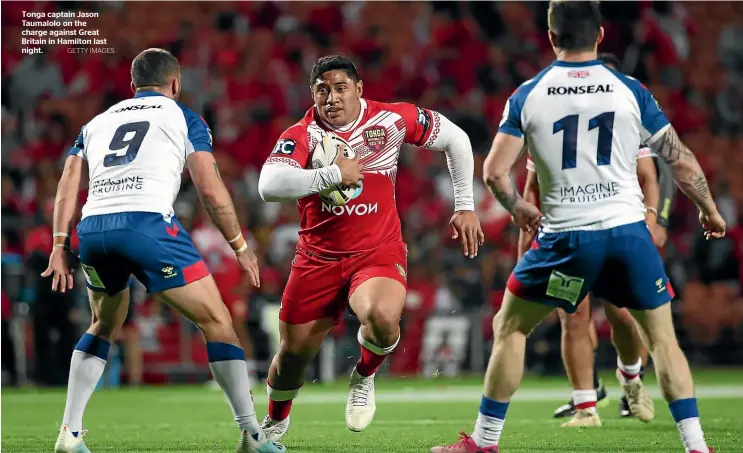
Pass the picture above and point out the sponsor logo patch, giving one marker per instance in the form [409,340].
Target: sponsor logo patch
[565,287]
[285,146]
[91,275]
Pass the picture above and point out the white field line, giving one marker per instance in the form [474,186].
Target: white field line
[457,395]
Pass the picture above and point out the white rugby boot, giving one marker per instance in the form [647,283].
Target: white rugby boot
[248,444]
[361,404]
[275,430]
[67,443]
[640,403]
[584,418]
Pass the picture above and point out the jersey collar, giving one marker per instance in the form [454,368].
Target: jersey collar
[347,127]
[145,93]
[576,64]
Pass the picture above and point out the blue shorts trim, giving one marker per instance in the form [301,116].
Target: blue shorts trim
[619,264]
[156,250]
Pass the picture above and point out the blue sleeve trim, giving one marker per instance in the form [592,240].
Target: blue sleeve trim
[198,132]
[78,149]
[511,122]
[652,117]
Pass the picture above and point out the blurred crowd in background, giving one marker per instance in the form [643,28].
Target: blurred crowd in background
[245,69]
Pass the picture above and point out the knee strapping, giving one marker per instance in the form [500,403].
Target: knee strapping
[281,395]
[374,348]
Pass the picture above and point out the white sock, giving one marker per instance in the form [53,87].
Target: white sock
[85,372]
[230,370]
[487,431]
[630,370]
[585,399]
[691,434]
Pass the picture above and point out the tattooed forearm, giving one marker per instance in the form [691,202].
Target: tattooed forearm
[505,191]
[222,212]
[670,148]
[685,169]
[701,187]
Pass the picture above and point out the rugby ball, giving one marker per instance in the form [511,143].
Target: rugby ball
[324,155]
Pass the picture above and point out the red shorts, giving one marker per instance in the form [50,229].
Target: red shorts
[319,287]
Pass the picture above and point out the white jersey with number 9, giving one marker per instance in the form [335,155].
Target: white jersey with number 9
[583,124]
[136,152]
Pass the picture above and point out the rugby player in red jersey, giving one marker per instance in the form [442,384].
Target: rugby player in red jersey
[354,254]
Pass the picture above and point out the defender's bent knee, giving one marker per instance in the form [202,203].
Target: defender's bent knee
[518,316]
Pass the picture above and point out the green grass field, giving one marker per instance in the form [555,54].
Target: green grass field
[412,415]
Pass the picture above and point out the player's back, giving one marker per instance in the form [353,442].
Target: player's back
[136,152]
[583,123]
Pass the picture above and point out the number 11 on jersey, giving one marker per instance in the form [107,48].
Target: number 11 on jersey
[569,127]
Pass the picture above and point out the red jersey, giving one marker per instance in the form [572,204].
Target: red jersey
[371,219]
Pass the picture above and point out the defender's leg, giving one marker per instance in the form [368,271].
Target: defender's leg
[629,347]
[513,323]
[200,302]
[674,374]
[578,358]
[88,363]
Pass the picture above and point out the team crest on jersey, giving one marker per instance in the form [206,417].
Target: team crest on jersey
[375,137]
[579,74]
[285,146]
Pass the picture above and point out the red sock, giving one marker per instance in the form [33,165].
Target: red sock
[586,405]
[628,376]
[369,362]
[279,410]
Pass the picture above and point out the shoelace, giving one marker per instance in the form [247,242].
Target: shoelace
[360,394]
[463,440]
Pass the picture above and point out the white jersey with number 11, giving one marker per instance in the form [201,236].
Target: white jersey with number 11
[583,124]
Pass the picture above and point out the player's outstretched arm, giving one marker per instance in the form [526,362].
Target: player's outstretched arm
[218,204]
[690,178]
[432,130]
[503,154]
[65,206]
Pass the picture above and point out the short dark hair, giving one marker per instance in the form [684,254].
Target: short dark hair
[333,62]
[153,67]
[610,59]
[574,24]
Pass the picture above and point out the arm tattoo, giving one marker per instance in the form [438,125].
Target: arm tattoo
[506,192]
[670,148]
[685,169]
[223,215]
[700,184]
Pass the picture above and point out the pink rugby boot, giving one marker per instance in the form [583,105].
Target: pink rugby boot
[465,445]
